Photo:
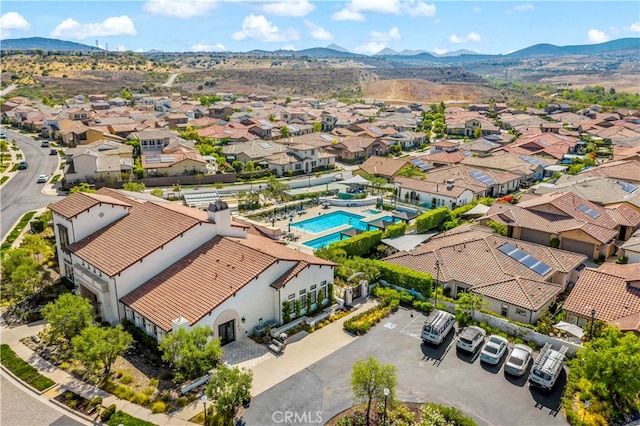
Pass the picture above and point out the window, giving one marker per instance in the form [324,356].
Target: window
[292,296]
[313,296]
[521,312]
[313,287]
[128,314]
[303,291]
[582,322]
[298,166]
[303,301]
[63,233]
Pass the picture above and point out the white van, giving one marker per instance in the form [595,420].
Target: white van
[437,326]
[547,367]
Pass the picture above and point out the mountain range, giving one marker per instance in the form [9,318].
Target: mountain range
[409,56]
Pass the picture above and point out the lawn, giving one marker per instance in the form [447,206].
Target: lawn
[23,370]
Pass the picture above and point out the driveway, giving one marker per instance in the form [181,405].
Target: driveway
[425,373]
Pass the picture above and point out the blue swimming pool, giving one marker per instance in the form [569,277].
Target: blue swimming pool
[329,221]
[336,236]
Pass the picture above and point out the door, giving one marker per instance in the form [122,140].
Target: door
[227,332]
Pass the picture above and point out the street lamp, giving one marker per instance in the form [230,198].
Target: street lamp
[435,290]
[386,393]
[204,400]
[593,318]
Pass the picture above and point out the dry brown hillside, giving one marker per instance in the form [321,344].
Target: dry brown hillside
[415,90]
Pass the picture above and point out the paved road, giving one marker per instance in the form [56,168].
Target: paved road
[171,79]
[22,194]
[8,89]
[425,373]
[20,407]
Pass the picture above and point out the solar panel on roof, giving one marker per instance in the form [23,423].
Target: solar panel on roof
[478,175]
[167,158]
[584,209]
[326,138]
[544,143]
[419,163]
[265,145]
[627,187]
[375,130]
[150,160]
[467,153]
[532,160]
[525,259]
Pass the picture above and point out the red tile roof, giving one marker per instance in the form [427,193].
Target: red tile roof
[607,290]
[145,229]
[528,294]
[79,202]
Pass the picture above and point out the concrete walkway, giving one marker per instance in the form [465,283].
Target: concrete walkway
[268,369]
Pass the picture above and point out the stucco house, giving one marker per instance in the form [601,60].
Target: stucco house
[161,265]
[432,194]
[517,280]
[577,224]
[103,159]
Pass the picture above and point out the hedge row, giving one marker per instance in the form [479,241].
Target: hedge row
[361,323]
[432,219]
[404,277]
[360,245]
[396,230]
[23,370]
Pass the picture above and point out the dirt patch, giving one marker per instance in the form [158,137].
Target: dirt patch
[417,90]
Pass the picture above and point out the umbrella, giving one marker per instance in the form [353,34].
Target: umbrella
[570,328]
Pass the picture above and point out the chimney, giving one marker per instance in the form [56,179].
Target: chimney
[449,183]
[179,323]
[219,213]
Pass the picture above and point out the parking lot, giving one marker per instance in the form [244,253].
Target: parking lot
[425,373]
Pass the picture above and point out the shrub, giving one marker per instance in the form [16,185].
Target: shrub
[361,323]
[126,379]
[154,382]
[432,219]
[106,414]
[158,407]
[141,398]
[94,402]
[120,417]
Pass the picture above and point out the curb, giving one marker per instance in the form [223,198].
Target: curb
[26,385]
[74,412]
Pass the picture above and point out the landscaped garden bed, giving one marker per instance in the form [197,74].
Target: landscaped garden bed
[23,370]
[88,407]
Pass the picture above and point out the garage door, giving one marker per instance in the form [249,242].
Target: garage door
[534,236]
[578,247]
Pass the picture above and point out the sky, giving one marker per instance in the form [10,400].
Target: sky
[360,26]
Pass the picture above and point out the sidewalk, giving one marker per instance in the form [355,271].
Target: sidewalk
[268,371]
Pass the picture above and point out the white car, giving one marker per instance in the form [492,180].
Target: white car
[518,360]
[470,339]
[494,349]
[43,178]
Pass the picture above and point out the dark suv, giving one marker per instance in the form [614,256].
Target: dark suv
[23,165]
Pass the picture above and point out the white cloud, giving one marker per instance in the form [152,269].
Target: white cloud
[204,47]
[440,51]
[355,8]
[370,48]
[12,21]
[415,8]
[113,26]
[392,34]
[317,32]
[295,8]
[597,36]
[347,15]
[179,8]
[471,37]
[634,28]
[523,7]
[259,28]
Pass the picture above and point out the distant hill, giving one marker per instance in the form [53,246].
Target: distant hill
[324,52]
[334,46]
[43,43]
[632,44]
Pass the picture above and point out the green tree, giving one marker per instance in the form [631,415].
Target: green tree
[276,189]
[99,347]
[466,305]
[250,167]
[238,166]
[284,132]
[287,100]
[67,316]
[21,275]
[499,228]
[135,143]
[134,186]
[608,363]
[477,132]
[369,378]
[229,388]
[46,101]
[37,247]
[83,187]
[317,127]
[157,192]
[191,352]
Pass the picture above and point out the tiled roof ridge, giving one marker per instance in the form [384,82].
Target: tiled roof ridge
[610,274]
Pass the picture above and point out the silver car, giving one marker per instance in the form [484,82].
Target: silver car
[518,360]
[493,349]
[470,339]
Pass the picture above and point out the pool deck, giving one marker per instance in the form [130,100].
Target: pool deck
[318,211]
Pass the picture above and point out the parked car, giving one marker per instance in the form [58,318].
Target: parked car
[518,360]
[471,339]
[493,349]
[43,178]
[547,367]
[44,144]
[437,326]
[23,165]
